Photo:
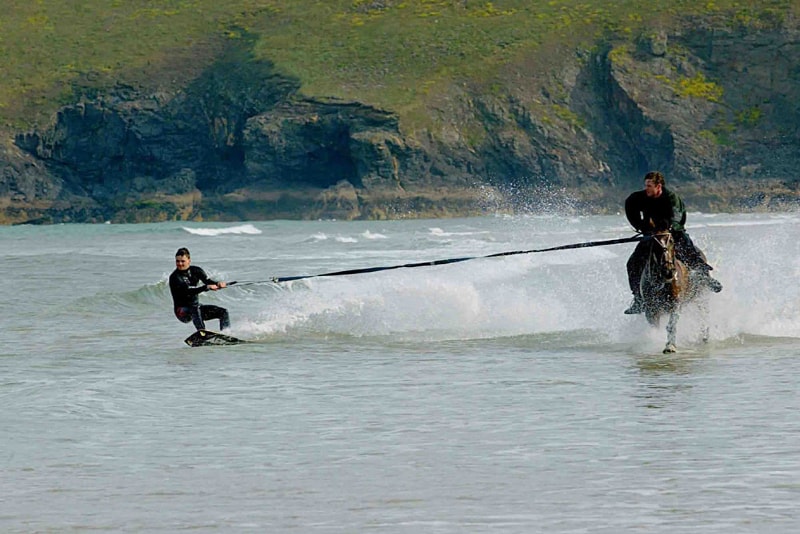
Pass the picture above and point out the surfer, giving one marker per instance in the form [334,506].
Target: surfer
[183,284]
[653,209]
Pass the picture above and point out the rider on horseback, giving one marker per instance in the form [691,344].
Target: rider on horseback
[653,209]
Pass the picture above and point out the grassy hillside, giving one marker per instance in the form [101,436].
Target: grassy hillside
[390,53]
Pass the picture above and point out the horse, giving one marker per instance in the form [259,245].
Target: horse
[667,285]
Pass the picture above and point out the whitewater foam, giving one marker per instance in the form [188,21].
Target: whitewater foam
[245,229]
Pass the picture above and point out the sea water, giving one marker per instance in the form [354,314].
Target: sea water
[491,395]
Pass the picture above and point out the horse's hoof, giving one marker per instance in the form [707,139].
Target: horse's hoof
[670,348]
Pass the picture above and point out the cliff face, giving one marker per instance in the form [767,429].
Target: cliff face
[715,110]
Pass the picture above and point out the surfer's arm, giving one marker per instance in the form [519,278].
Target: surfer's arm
[210,285]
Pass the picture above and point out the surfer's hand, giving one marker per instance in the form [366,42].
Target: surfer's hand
[222,285]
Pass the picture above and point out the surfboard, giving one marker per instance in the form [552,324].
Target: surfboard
[203,338]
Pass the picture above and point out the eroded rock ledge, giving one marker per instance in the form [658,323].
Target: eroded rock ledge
[716,110]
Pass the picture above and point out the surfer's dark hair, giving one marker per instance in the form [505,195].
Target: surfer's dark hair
[183,251]
[655,176]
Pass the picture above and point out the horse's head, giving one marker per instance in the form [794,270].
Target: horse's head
[664,253]
[666,271]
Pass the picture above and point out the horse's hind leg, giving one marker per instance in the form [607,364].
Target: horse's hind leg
[672,327]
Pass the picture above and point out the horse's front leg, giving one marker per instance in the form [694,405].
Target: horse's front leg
[672,328]
[704,312]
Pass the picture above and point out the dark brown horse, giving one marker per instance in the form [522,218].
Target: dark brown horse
[666,285]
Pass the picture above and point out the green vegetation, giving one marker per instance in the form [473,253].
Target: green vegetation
[698,87]
[390,53]
[568,116]
[749,117]
[722,132]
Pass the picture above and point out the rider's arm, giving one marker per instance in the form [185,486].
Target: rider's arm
[678,212]
[210,285]
[181,288]
[634,213]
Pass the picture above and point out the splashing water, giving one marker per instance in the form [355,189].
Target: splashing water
[554,292]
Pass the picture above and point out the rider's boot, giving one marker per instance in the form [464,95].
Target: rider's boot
[637,306]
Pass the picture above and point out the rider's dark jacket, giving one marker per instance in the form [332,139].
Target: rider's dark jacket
[184,286]
[648,214]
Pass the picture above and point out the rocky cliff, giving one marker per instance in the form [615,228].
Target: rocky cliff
[715,108]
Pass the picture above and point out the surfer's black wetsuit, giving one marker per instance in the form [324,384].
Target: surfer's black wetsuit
[185,290]
[649,215]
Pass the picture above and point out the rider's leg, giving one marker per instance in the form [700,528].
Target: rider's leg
[634,274]
[209,311]
[183,314]
[635,267]
[197,318]
[694,258]
[687,252]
